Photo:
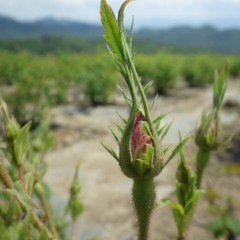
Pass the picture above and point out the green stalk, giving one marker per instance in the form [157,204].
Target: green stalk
[139,85]
[48,212]
[40,226]
[144,199]
[203,157]
[4,176]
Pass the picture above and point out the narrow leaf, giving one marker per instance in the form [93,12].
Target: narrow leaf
[110,26]
[110,151]
[114,134]
[175,151]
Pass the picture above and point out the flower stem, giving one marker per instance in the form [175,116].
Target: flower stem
[202,160]
[144,199]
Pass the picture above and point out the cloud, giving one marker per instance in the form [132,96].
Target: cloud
[71,2]
[146,12]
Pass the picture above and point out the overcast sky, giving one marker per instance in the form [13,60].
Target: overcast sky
[154,13]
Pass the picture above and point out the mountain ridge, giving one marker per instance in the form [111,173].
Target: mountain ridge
[206,38]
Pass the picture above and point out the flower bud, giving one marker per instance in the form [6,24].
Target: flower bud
[140,154]
[141,145]
[207,135]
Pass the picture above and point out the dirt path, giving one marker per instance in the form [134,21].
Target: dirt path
[108,213]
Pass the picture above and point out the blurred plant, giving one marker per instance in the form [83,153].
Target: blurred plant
[18,182]
[223,207]
[165,73]
[207,136]
[22,178]
[225,223]
[235,67]
[74,206]
[162,68]
[187,196]
[99,80]
[140,151]
[197,70]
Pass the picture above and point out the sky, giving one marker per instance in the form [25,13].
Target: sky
[147,13]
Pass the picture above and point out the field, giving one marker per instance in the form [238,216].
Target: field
[76,95]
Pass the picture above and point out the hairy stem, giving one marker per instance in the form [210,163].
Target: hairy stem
[144,199]
[40,226]
[202,161]
[4,176]
[48,212]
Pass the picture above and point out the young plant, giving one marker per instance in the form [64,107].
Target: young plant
[141,155]
[74,206]
[207,136]
[18,210]
[187,196]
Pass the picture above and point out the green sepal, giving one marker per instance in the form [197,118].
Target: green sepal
[20,144]
[143,165]
[125,155]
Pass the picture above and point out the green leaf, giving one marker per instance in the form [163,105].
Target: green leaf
[24,233]
[217,228]
[121,14]
[5,235]
[166,130]
[233,224]
[130,38]
[20,143]
[167,202]
[127,99]
[25,200]
[110,151]
[120,129]
[141,166]
[28,177]
[149,152]
[114,135]
[43,235]
[176,150]
[158,119]
[220,86]
[146,128]
[147,87]
[47,190]
[154,102]
[122,118]
[110,25]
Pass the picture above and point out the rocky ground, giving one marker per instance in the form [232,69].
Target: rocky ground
[105,192]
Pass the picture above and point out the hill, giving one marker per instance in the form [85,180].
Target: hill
[10,28]
[182,38]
